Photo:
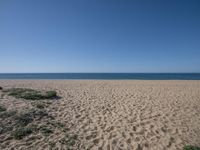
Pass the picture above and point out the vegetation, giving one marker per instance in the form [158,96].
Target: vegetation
[21,132]
[5,128]
[189,147]
[1,88]
[2,109]
[24,119]
[7,114]
[45,130]
[30,94]
[19,124]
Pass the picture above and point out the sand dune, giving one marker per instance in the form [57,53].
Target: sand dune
[118,115]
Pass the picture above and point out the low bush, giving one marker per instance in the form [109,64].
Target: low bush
[5,128]
[30,94]
[28,117]
[20,133]
[24,119]
[189,147]
[45,130]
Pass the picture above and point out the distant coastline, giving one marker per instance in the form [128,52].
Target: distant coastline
[103,76]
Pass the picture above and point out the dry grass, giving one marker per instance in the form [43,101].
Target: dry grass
[30,94]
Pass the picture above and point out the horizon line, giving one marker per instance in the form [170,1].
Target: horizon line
[92,72]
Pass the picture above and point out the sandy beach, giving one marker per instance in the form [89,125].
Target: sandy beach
[111,115]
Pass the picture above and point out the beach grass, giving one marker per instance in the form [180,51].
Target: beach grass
[190,147]
[45,130]
[30,94]
[20,124]
[21,132]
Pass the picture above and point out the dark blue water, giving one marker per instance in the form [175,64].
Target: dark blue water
[103,76]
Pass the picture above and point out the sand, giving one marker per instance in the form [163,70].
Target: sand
[118,115]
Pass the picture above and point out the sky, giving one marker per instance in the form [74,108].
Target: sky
[99,36]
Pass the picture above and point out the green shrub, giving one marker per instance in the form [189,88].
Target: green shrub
[20,133]
[39,114]
[24,119]
[46,130]
[30,94]
[17,91]
[50,94]
[189,147]
[5,128]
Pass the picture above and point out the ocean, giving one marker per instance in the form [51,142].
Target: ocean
[103,76]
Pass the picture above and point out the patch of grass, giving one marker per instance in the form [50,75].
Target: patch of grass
[20,133]
[39,114]
[51,94]
[7,114]
[189,147]
[56,124]
[33,127]
[24,119]
[2,108]
[5,128]
[45,130]
[30,94]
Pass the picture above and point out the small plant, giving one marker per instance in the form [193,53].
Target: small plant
[2,109]
[189,147]
[30,94]
[39,114]
[56,124]
[20,133]
[24,119]
[5,128]
[1,88]
[50,94]
[46,130]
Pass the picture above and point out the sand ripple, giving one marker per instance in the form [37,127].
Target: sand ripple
[122,115]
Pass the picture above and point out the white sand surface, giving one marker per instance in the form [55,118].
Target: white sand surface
[118,115]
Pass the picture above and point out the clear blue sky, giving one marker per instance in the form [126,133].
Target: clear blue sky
[100,36]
